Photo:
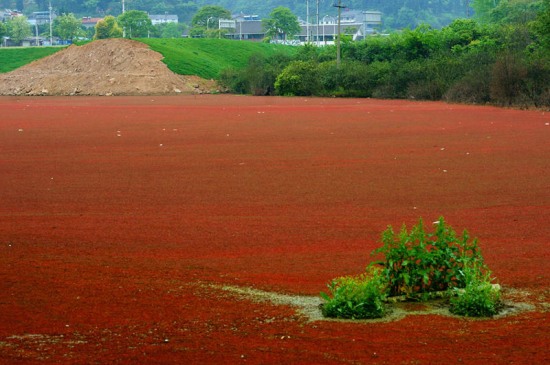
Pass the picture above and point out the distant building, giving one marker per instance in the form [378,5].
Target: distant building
[33,41]
[9,14]
[163,19]
[89,22]
[372,21]
[228,24]
[246,18]
[358,24]
[41,17]
[250,30]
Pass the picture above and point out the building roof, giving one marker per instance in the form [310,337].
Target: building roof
[164,17]
[90,21]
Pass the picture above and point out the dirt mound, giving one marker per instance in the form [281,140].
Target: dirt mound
[103,67]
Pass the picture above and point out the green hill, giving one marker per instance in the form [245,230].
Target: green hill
[207,57]
[12,58]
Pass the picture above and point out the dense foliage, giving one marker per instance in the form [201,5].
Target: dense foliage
[416,265]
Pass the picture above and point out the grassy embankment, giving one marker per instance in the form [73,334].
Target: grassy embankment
[208,57]
[202,57]
[12,58]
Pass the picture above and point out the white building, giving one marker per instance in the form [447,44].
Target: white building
[41,17]
[163,19]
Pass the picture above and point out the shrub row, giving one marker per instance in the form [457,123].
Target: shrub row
[464,62]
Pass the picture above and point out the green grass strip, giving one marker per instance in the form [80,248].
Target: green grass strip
[12,58]
[208,57]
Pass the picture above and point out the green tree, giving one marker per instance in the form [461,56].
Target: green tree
[515,11]
[460,32]
[135,23]
[168,30]
[299,78]
[107,28]
[19,29]
[406,18]
[3,30]
[483,8]
[541,26]
[207,19]
[67,26]
[281,21]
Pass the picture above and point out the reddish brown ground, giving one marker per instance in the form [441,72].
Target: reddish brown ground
[115,213]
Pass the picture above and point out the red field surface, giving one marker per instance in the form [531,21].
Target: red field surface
[117,215]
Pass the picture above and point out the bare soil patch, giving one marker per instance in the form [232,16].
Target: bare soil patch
[103,67]
[310,306]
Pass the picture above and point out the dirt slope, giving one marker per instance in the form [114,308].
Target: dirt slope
[104,67]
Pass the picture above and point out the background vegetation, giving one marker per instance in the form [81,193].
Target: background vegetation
[397,13]
[502,58]
[502,61]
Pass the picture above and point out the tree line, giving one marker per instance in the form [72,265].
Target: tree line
[501,58]
[397,13]
[137,24]
[132,24]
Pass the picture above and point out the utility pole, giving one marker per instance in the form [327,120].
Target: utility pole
[317,23]
[123,29]
[338,58]
[307,21]
[51,33]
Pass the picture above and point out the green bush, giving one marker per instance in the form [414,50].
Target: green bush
[417,262]
[473,88]
[234,80]
[356,297]
[258,77]
[351,79]
[262,72]
[299,78]
[329,77]
[479,298]
[537,82]
[508,75]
